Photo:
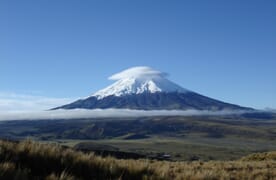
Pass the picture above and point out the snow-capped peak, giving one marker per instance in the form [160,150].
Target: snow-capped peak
[139,80]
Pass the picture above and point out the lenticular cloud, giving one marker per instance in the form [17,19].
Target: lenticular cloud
[138,72]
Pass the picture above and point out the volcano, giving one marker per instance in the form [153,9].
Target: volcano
[144,88]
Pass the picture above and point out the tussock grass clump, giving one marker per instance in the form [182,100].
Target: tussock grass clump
[32,160]
[62,176]
[10,171]
[267,156]
[55,162]
[215,170]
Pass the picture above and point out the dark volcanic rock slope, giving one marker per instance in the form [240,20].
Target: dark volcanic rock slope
[148,89]
[154,101]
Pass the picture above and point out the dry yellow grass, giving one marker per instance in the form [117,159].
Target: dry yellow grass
[32,160]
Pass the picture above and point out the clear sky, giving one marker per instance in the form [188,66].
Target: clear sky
[68,48]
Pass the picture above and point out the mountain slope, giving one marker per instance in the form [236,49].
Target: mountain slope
[147,89]
[130,86]
[154,101]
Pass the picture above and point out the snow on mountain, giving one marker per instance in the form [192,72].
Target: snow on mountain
[138,80]
[144,88]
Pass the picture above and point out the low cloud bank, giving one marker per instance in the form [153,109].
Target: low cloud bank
[10,101]
[101,113]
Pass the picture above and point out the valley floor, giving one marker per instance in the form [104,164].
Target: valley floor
[172,138]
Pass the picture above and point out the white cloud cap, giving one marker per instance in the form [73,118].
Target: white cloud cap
[138,72]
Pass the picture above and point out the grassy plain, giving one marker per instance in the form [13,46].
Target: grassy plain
[183,138]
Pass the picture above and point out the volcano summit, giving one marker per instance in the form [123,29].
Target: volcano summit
[147,89]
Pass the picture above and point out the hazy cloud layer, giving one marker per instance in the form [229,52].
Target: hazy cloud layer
[23,102]
[98,113]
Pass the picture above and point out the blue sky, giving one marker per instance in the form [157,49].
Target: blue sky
[67,49]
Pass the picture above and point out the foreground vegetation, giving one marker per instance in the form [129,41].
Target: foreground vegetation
[32,160]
